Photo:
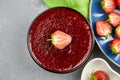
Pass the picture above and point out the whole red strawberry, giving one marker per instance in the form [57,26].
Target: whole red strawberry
[115,46]
[99,75]
[117,32]
[114,18]
[117,3]
[103,28]
[108,5]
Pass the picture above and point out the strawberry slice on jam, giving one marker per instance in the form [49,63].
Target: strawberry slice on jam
[103,28]
[108,5]
[60,39]
[117,32]
[99,75]
[115,46]
[114,18]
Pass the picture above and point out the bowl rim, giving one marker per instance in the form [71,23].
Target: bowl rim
[60,72]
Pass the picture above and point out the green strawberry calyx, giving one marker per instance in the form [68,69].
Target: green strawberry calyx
[106,37]
[108,20]
[93,77]
[102,3]
[117,29]
[113,49]
[51,39]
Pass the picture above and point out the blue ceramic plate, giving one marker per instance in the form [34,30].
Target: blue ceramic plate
[97,13]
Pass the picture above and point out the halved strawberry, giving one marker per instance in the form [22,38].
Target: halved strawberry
[117,32]
[117,3]
[60,39]
[114,18]
[99,75]
[115,46]
[108,5]
[103,28]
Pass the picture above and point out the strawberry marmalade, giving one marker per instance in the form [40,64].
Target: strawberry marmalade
[68,21]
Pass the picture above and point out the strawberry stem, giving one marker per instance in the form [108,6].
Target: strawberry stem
[106,37]
[49,39]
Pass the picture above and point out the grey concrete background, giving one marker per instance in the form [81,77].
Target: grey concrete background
[15,61]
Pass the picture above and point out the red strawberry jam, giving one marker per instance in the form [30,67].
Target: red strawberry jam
[69,22]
